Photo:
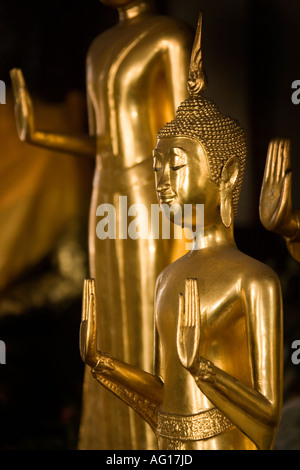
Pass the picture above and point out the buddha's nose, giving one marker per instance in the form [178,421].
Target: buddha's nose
[163,179]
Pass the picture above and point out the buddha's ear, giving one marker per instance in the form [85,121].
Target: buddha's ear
[230,172]
[229,175]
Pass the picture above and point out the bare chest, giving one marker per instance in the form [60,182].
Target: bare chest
[223,324]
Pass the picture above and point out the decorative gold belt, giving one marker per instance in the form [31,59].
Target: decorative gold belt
[192,428]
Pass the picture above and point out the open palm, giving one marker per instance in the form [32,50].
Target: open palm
[275,206]
[188,329]
[23,106]
[88,327]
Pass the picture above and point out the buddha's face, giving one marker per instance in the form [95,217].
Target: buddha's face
[182,174]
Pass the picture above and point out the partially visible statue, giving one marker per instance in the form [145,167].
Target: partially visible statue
[134,85]
[275,208]
[28,176]
[218,313]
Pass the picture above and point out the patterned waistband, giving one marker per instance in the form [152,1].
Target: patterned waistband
[192,428]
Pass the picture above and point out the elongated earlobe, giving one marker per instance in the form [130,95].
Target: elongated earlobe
[229,176]
[226,209]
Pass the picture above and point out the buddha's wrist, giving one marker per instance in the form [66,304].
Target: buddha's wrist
[294,234]
[204,370]
[104,363]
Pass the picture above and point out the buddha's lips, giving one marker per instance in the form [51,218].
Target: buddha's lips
[165,197]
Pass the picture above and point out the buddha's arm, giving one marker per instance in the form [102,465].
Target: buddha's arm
[83,145]
[138,389]
[254,410]
[76,144]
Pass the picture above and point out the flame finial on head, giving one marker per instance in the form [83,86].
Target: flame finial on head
[199,118]
[197,80]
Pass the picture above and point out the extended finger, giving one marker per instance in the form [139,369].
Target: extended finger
[90,309]
[83,324]
[193,303]
[280,160]
[90,344]
[286,156]
[283,159]
[17,80]
[196,313]
[182,318]
[14,81]
[94,298]
[269,160]
[276,158]
[190,309]
[196,303]
[180,332]
[286,194]
[84,300]
[91,332]
[186,303]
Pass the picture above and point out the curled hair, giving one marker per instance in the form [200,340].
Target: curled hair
[221,136]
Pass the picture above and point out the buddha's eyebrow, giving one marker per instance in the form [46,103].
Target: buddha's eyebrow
[157,154]
[178,151]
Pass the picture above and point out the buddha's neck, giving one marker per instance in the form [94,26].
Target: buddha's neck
[134,9]
[213,236]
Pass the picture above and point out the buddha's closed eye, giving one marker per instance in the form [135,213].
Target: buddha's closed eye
[177,167]
[176,159]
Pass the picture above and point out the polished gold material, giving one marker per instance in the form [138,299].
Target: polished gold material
[112,373]
[197,80]
[218,312]
[135,82]
[275,207]
[203,425]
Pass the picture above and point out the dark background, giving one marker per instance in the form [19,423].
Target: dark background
[251,53]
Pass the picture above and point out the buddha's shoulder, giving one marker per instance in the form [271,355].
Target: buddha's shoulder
[252,265]
[158,27]
[232,265]
[254,274]
[170,272]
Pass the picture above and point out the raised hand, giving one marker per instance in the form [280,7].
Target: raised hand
[189,335]
[275,205]
[23,106]
[97,360]
[84,145]
[188,328]
[88,327]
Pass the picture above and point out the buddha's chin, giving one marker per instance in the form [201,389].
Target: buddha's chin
[169,201]
[172,210]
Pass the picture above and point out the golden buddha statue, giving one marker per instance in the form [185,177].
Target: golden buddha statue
[134,85]
[217,382]
[275,206]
